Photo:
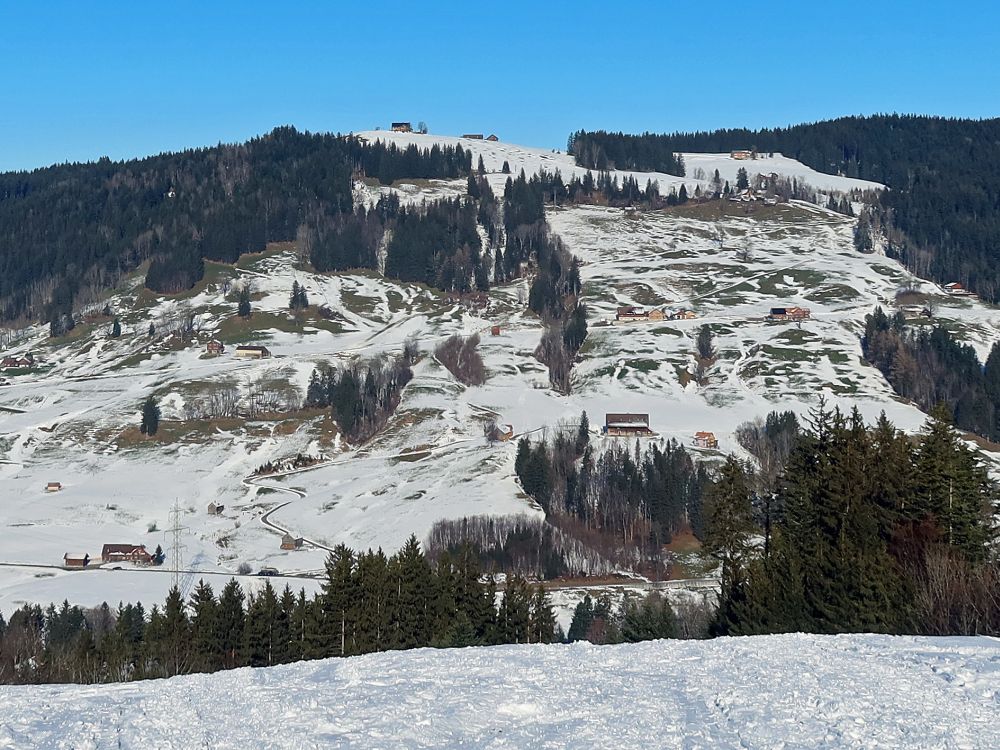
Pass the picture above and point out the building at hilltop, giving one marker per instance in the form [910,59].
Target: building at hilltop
[402,127]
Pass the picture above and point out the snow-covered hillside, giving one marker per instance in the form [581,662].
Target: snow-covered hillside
[74,419]
[789,691]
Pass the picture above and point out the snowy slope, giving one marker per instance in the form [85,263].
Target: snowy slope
[789,691]
[534,159]
[75,422]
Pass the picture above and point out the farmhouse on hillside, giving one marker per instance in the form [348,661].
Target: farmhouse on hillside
[741,154]
[492,137]
[402,127]
[76,560]
[681,315]
[789,313]
[631,314]
[957,290]
[627,425]
[291,542]
[473,136]
[126,553]
[27,360]
[250,351]
[215,510]
[215,347]
[53,486]
[705,440]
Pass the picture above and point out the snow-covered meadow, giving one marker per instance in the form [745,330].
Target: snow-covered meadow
[75,421]
[786,691]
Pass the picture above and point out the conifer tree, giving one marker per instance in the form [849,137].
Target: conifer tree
[243,305]
[150,416]
[231,623]
[205,647]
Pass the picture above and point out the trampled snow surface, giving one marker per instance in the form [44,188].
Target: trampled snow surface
[788,691]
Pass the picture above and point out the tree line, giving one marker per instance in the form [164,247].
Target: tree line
[521,545]
[931,367]
[368,602]
[942,210]
[628,502]
[602,150]
[867,530]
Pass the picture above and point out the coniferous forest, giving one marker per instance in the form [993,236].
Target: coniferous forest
[369,602]
[930,367]
[868,530]
[941,214]
[70,231]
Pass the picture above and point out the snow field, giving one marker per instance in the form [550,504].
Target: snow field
[785,691]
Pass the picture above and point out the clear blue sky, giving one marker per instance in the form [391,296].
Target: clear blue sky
[84,79]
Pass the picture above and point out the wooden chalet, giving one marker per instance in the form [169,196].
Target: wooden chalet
[627,425]
[681,315]
[215,347]
[473,136]
[741,154]
[250,351]
[402,127]
[76,560]
[53,486]
[630,314]
[492,137]
[705,440]
[291,542]
[789,313]
[27,360]
[957,290]
[135,553]
[215,510]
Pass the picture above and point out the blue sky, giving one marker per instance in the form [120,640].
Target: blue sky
[82,80]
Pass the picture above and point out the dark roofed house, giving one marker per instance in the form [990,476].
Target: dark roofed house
[402,127]
[126,553]
[492,137]
[473,136]
[618,425]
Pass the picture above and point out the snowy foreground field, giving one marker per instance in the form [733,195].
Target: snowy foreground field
[791,691]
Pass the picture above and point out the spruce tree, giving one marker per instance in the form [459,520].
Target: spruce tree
[206,651]
[231,623]
[150,416]
[243,305]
